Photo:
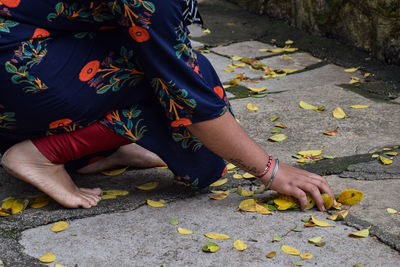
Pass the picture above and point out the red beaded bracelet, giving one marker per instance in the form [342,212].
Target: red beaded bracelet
[269,165]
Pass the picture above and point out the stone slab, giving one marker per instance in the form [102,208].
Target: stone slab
[144,237]
[248,49]
[299,61]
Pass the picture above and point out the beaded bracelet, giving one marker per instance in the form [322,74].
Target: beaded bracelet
[273,174]
[269,165]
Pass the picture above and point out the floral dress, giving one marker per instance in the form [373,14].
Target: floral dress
[126,63]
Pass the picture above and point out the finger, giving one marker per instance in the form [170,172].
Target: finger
[301,197]
[315,194]
[324,187]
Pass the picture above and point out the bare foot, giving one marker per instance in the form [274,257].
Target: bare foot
[128,155]
[26,162]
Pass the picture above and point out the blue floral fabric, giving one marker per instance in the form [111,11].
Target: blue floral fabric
[126,63]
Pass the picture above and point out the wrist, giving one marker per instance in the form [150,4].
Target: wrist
[269,177]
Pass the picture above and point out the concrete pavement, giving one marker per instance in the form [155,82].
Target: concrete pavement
[127,232]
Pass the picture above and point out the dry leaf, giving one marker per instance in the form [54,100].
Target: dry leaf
[48,257]
[239,245]
[207,31]
[355,80]
[248,205]
[210,247]
[40,202]
[392,211]
[184,231]
[221,195]
[306,256]
[7,203]
[320,223]
[391,153]
[352,69]
[310,153]
[339,216]
[274,118]
[290,250]
[237,176]
[283,204]
[217,236]
[116,192]
[262,210]
[277,138]
[308,106]
[19,205]
[115,172]
[359,106]
[328,201]
[229,70]
[258,90]
[375,156]
[350,197]
[108,197]
[59,226]
[385,161]
[315,240]
[230,166]
[155,204]
[334,132]
[287,70]
[148,186]
[252,107]
[219,182]
[286,57]
[248,175]
[362,233]
[174,222]
[243,192]
[338,113]
[281,126]
[271,254]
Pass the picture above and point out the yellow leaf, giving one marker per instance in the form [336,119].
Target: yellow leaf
[275,50]
[289,42]
[184,231]
[230,166]
[59,265]
[161,167]
[287,57]
[257,90]
[392,211]
[210,247]
[350,197]
[108,196]
[310,153]
[271,254]
[328,201]
[148,186]
[262,210]
[361,233]
[391,153]
[221,195]
[239,245]
[359,106]
[219,182]
[287,70]
[308,106]
[248,176]
[59,226]
[229,70]
[315,240]
[237,176]
[274,118]
[281,126]
[248,205]
[260,189]
[284,204]
[155,204]
[351,69]
[320,223]
[290,49]
[306,256]
[338,113]
[48,257]
[243,192]
[40,202]
[116,192]
[236,58]
[226,86]
[115,172]
[375,156]
[252,107]
[217,236]
[19,205]
[8,203]
[334,132]
[207,31]
[339,215]
[290,250]
[385,161]
[277,137]
[355,80]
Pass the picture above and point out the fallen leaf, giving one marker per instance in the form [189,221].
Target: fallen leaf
[281,126]
[286,57]
[230,166]
[391,153]
[315,240]
[207,31]
[217,236]
[116,192]
[274,118]
[359,106]
[248,205]
[155,204]
[258,90]
[174,222]
[229,70]
[308,106]
[59,226]
[184,231]
[339,216]
[40,202]
[248,175]
[277,138]
[334,132]
[385,161]
[320,223]
[237,176]
[350,197]
[243,192]
[108,197]
[59,265]
[287,70]
[361,234]
[220,196]
[375,156]
[236,58]
[297,263]
[262,210]
[392,211]
[115,172]
[352,69]
[276,238]
[310,153]
[290,250]
[284,204]
[252,107]
[306,256]
[338,113]
[211,247]
[19,205]
[239,245]
[260,189]
[7,203]
[161,167]
[219,182]
[355,80]
[48,257]
[148,186]
[289,42]
[271,254]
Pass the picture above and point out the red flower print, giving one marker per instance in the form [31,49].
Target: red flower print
[139,34]
[40,33]
[10,3]
[181,122]
[59,123]
[219,91]
[89,70]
